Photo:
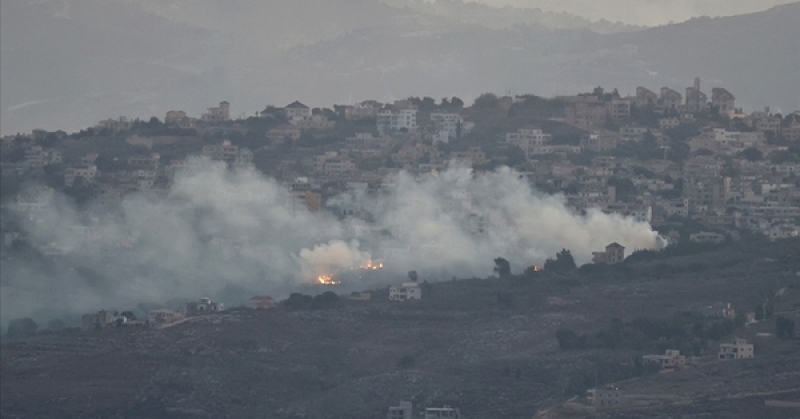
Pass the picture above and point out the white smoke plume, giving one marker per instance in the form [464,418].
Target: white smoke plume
[221,232]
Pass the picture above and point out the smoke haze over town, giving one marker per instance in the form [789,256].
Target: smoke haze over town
[243,231]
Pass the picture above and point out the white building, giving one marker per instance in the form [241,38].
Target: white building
[406,291]
[606,398]
[404,411]
[528,139]
[739,349]
[442,412]
[218,114]
[672,358]
[404,119]
[297,111]
[449,125]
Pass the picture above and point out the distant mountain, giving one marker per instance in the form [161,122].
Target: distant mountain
[70,63]
[756,56]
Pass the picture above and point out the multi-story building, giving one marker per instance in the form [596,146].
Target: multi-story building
[670,99]
[613,254]
[365,109]
[671,359]
[586,115]
[88,174]
[115,125]
[645,97]
[449,125]
[406,291]
[696,100]
[400,120]
[297,111]
[620,109]
[607,398]
[528,138]
[723,100]
[601,141]
[149,162]
[218,114]
[739,349]
[403,411]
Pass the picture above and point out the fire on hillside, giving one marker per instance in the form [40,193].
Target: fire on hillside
[327,280]
[371,266]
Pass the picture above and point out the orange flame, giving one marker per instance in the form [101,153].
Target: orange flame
[327,280]
[371,266]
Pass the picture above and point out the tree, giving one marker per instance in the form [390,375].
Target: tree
[564,262]
[502,268]
[751,154]
[55,325]
[456,103]
[486,100]
[784,328]
[81,191]
[18,328]
[530,272]
[625,189]
[412,275]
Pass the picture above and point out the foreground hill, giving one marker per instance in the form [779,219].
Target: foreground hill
[461,345]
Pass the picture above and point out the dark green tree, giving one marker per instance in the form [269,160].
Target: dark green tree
[564,262]
[502,267]
[19,328]
[412,275]
[784,328]
[751,154]
[55,325]
[486,100]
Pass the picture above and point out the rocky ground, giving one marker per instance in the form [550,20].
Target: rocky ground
[459,346]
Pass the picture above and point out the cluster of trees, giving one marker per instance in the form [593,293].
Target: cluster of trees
[784,328]
[604,372]
[562,263]
[298,301]
[689,332]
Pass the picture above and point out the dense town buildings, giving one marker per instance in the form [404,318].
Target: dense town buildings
[655,157]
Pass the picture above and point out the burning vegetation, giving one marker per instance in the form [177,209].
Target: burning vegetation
[327,279]
[371,266]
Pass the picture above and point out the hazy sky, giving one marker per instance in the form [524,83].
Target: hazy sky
[644,12]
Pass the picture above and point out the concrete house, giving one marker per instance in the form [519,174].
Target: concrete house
[218,114]
[263,302]
[670,99]
[297,111]
[103,318]
[614,253]
[204,305]
[645,97]
[164,316]
[403,411]
[739,349]
[672,359]
[696,101]
[723,100]
[442,412]
[406,291]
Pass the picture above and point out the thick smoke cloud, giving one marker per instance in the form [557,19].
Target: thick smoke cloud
[222,233]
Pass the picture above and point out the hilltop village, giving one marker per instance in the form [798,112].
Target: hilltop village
[703,327]
[652,156]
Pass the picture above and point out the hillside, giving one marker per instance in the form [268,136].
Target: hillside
[359,357]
